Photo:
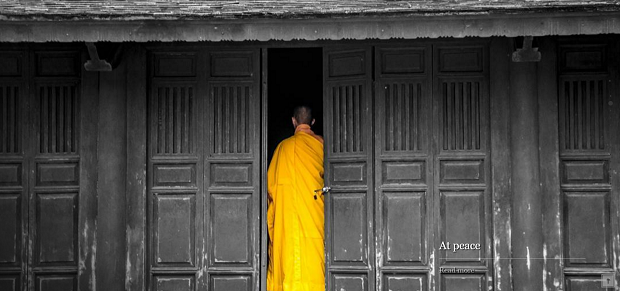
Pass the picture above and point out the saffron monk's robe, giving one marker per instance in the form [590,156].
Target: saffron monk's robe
[294,217]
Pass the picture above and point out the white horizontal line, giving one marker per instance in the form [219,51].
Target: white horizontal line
[513,258]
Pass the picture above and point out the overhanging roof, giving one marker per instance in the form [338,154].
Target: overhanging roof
[262,20]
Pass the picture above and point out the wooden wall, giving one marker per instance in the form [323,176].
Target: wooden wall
[90,161]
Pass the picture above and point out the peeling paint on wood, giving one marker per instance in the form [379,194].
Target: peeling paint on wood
[136,168]
[87,276]
[501,49]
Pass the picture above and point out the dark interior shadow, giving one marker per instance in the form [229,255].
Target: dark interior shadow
[295,77]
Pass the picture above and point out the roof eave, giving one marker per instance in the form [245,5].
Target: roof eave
[334,27]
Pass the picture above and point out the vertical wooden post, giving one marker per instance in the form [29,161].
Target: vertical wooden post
[136,169]
[527,236]
[89,119]
[111,171]
[550,164]
[500,157]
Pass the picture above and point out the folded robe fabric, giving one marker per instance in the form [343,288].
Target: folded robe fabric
[294,217]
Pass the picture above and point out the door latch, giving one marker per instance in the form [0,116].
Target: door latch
[322,190]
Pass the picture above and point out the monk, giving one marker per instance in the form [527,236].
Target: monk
[295,212]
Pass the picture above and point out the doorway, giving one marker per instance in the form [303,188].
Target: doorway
[295,78]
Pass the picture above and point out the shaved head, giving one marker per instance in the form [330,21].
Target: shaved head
[303,115]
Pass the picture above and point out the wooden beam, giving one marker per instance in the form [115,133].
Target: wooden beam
[95,63]
[401,27]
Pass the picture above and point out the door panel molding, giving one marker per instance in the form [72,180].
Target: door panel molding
[347,104]
[204,159]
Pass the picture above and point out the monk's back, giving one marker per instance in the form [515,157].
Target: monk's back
[295,214]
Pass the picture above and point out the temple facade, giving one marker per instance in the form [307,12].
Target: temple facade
[468,145]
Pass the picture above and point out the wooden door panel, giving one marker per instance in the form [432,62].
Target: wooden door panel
[174,172]
[58,120]
[587,203]
[462,171]
[347,63]
[398,61]
[349,282]
[404,282]
[204,168]
[403,151]
[10,227]
[57,173]
[583,113]
[231,282]
[348,223]
[582,283]
[349,174]
[404,123]
[174,64]
[174,217]
[174,175]
[10,117]
[404,227]
[346,102]
[11,174]
[463,221]
[174,119]
[232,169]
[585,171]
[43,208]
[54,203]
[432,155]
[233,64]
[403,172]
[231,111]
[11,64]
[228,174]
[174,283]
[56,283]
[462,164]
[231,226]
[57,204]
[588,225]
[348,146]
[13,182]
[459,282]
[463,114]
[459,59]
[10,283]
[56,229]
[57,64]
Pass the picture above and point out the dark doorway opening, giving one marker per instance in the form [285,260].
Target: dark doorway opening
[295,77]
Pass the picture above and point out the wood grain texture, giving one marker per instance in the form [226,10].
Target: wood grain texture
[187,9]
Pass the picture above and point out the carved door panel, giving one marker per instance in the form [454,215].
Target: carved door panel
[462,165]
[588,118]
[432,166]
[203,170]
[13,172]
[348,168]
[46,207]
[404,167]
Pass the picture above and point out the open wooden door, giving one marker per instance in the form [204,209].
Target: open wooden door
[348,168]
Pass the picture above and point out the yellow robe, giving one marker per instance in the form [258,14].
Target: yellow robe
[294,217]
